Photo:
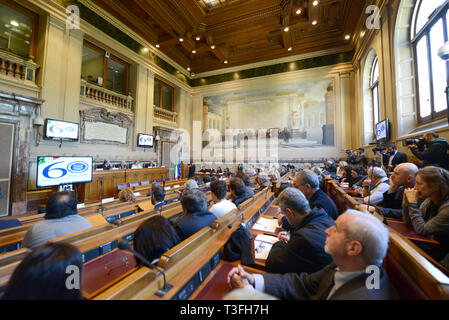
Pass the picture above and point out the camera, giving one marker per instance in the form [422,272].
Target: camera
[419,142]
[379,148]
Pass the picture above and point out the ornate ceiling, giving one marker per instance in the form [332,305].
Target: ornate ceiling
[206,35]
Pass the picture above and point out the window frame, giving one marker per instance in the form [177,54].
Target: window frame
[34,25]
[437,15]
[374,86]
[105,67]
[162,84]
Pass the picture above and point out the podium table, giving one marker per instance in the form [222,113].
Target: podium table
[91,191]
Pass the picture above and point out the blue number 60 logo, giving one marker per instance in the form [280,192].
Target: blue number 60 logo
[50,168]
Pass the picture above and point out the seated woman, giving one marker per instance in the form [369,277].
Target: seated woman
[127,195]
[432,217]
[341,172]
[154,237]
[51,272]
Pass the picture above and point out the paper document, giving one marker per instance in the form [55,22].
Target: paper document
[267,225]
[262,246]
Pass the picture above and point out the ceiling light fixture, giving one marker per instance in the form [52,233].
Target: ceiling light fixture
[348,37]
[314,22]
[188,69]
[158,46]
[298,11]
[181,39]
[14,23]
[286,29]
[290,49]
[197,38]
[212,47]
[226,61]
[193,51]
[315,3]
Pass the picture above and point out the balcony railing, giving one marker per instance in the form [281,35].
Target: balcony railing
[98,96]
[16,68]
[164,115]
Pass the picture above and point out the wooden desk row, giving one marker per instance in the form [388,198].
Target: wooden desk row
[187,264]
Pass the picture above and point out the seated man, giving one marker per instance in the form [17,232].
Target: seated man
[106,165]
[196,216]
[61,219]
[431,218]
[239,192]
[357,243]
[221,206]
[330,167]
[307,182]
[377,178]
[191,184]
[263,181]
[157,196]
[403,177]
[303,251]
[127,195]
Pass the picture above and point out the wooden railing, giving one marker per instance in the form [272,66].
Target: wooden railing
[165,115]
[94,94]
[17,68]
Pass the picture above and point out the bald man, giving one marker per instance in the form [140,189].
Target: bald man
[403,177]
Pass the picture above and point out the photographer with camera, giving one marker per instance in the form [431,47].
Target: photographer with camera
[431,149]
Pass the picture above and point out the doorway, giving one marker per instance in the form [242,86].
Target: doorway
[6,156]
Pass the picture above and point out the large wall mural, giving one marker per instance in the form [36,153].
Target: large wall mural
[300,115]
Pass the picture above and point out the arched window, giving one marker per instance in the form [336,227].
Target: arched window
[429,33]
[374,88]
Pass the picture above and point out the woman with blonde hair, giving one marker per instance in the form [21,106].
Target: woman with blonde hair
[127,195]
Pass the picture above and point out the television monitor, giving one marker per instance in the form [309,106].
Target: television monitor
[383,131]
[145,140]
[61,130]
[55,171]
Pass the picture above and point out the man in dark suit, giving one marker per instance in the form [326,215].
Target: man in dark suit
[192,170]
[358,243]
[393,157]
[157,196]
[196,216]
[303,251]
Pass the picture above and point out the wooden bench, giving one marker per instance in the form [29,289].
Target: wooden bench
[200,252]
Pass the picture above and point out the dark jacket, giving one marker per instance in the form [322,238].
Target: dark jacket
[392,204]
[248,194]
[305,250]
[321,200]
[189,224]
[356,182]
[398,158]
[317,286]
[192,171]
[435,154]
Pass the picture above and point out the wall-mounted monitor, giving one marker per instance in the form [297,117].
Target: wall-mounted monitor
[61,130]
[55,171]
[383,131]
[145,140]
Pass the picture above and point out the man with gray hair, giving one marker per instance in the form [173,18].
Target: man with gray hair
[196,216]
[358,243]
[303,250]
[307,182]
[191,184]
[375,186]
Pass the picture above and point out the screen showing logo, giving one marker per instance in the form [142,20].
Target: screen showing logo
[145,140]
[61,130]
[54,171]
[381,131]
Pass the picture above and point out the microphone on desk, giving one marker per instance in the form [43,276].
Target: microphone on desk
[124,245]
[101,196]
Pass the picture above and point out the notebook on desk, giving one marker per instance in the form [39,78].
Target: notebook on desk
[266,225]
[262,246]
